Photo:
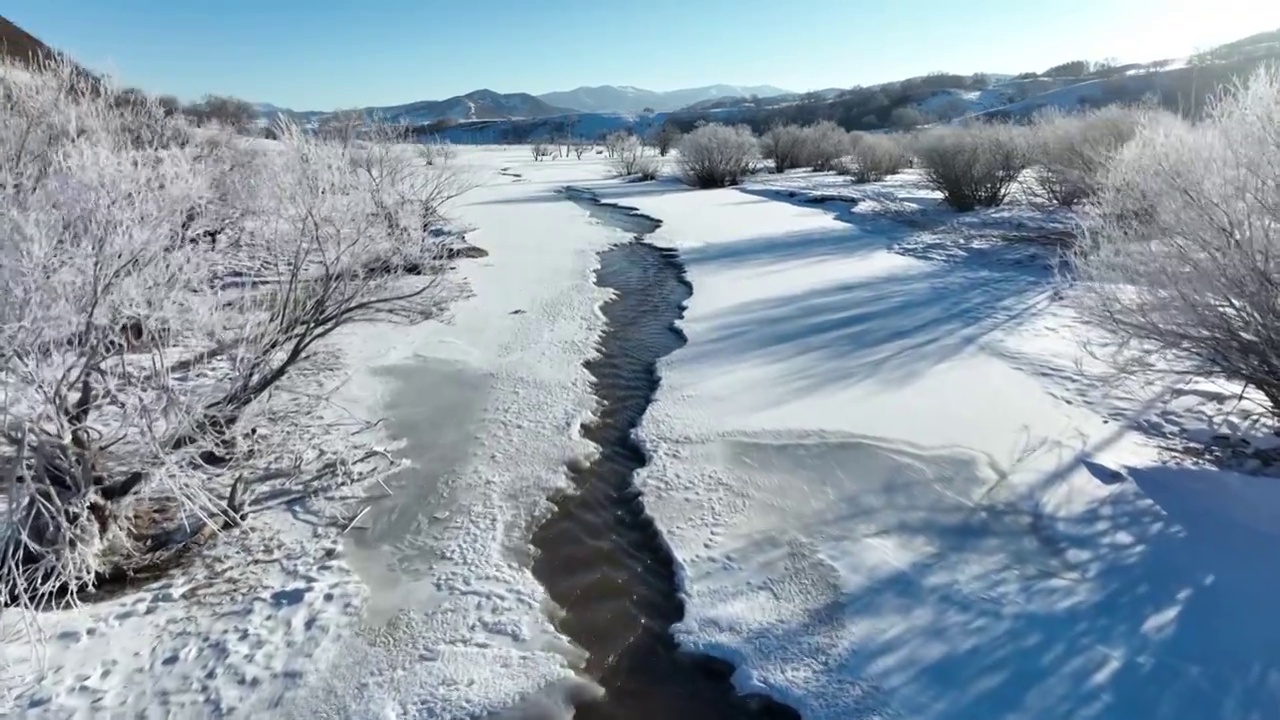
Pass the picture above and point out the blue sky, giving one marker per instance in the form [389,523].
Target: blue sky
[322,54]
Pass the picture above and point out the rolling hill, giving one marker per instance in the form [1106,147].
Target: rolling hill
[19,45]
[484,115]
[475,105]
[627,99]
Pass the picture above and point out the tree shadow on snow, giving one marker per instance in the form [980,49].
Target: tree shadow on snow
[774,250]
[610,190]
[1169,613]
[897,211]
[545,194]
[607,189]
[893,326]
[1009,238]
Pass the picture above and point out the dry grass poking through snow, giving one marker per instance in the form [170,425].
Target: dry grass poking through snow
[157,284]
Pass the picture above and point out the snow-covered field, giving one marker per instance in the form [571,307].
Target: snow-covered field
[894,485]
[897,487]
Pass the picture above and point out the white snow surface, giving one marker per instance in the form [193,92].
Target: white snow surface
[490,407]
[896,487]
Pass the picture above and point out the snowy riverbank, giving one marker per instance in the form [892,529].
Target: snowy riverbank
[892,483]
[427,605]
[894,491]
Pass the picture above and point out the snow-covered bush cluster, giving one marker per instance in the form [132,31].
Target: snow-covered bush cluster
[819,146]
[872,158]
[974,165]
[1182,260]
[785,146]
[716,155]
[1182,255]
[1073,151]
[157,282]
[1060,159]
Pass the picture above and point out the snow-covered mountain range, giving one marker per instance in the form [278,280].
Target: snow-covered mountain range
[490,105]
[628,99]
[475,105]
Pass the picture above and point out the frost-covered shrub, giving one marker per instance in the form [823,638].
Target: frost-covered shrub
[716,155]
[133,369]
[436,149]
[629,157]
[786,146]
[907,118]
[223,111]
[648,168]
[827,143]
[1183,257]
[973,165]
[873,158]
[815,146]
[27,98]
[1072,151]
[342,126]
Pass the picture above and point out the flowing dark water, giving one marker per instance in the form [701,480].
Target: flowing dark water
[599,555]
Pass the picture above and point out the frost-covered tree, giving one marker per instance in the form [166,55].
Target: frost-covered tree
[906,118]
[665,138]
[436,149]
[614,142]
[156,286]
[716,155]
[1182,262]
[629,158]
[228,112]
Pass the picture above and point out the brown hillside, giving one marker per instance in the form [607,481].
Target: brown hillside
[20,45]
